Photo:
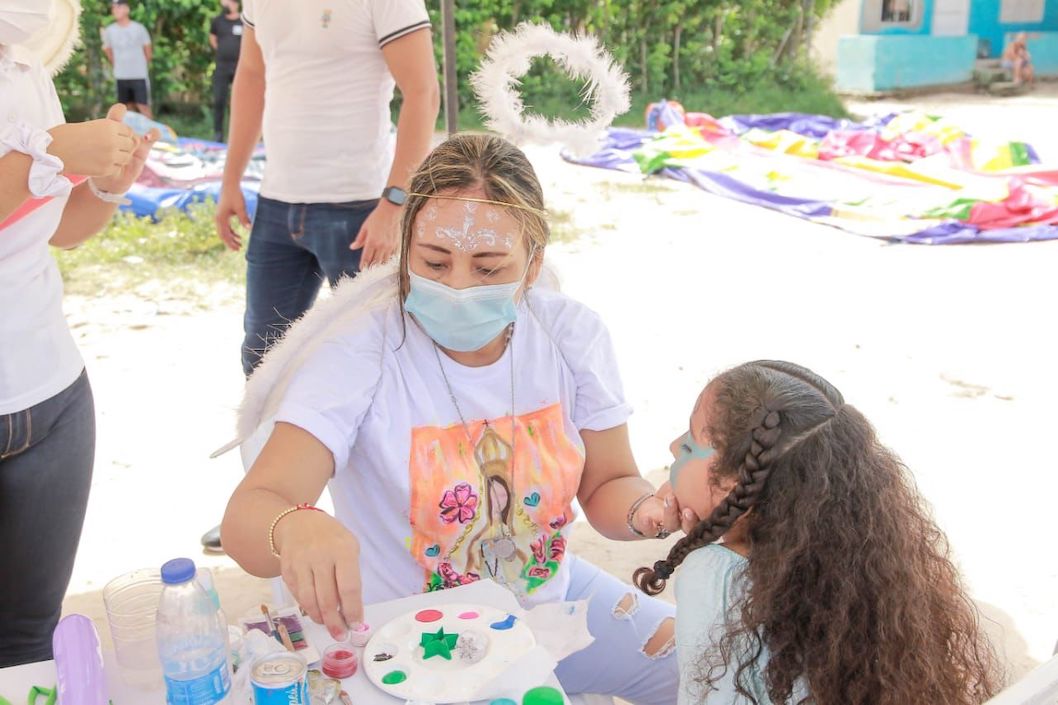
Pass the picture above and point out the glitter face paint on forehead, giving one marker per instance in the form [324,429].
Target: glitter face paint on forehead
[689,450]
[469,235]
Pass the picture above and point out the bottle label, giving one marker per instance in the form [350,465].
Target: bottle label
[204,690]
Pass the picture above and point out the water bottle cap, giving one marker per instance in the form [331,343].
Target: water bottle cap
[178,570]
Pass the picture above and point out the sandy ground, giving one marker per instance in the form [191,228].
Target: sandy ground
[949,350]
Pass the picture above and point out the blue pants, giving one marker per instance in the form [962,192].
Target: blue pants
[46,457]
[293,246]
[622,620]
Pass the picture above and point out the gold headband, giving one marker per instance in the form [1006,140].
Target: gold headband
[542,214]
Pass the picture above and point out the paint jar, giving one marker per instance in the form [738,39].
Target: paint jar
[339,661]
[131,603]
[360,634]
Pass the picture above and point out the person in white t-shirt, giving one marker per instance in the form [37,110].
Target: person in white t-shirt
[459,407]
[47,422]
[319,78]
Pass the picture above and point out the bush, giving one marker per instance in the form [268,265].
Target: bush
[744,50]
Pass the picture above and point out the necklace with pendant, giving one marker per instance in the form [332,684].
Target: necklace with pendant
[489,452]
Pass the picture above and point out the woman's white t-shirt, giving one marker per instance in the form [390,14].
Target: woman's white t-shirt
[434,503]
[38,356]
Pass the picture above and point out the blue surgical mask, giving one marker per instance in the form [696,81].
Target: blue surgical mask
[689,450]
[462,320]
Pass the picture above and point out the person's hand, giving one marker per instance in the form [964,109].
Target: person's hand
[320,564]
[101,147]
[649,518]
[120,182]
[676,518]
[378,235]
[232,204]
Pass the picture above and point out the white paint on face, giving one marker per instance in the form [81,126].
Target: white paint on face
[467,235]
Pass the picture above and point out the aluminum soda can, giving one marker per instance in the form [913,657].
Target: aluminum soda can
[280,679]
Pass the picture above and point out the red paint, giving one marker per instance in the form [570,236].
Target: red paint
[428,616]
[339,662]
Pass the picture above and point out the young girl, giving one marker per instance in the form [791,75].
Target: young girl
[817,575]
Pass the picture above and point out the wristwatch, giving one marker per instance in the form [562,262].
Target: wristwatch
[395,195]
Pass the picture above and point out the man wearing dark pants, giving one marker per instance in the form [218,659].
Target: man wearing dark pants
[225,36]
[319,77]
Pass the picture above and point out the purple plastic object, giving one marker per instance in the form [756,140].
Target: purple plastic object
[79,662]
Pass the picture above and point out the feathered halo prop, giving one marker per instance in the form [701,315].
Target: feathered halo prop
[55,44]
[583,58]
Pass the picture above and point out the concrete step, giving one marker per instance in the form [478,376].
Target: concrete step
[1007,88]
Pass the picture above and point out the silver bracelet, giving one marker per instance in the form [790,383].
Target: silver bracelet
[632,515]
[106,196]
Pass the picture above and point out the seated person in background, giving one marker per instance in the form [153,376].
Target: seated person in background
[1018,61]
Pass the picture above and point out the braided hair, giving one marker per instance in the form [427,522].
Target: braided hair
[850,588]
[763,444]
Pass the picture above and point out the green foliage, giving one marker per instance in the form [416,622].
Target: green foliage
[739,52]
[180,69]
[133,251]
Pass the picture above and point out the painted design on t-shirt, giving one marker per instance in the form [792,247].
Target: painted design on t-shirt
[489,506]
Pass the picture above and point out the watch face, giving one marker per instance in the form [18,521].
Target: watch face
[395,195]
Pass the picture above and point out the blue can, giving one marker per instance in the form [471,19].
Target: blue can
[280,679]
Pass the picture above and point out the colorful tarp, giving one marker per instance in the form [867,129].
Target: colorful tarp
[181,172]
[905,177]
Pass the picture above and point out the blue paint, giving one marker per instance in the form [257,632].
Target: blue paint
[689,450]
[433,551]
[871,64]
[984,22]
[925,27]
[503,701]
[505,624]
[533,500]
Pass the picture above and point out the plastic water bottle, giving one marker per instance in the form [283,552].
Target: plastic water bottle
[192,640]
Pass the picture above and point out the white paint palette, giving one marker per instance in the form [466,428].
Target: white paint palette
[406,658]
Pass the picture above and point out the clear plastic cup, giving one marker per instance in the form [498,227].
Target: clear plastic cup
[131,603]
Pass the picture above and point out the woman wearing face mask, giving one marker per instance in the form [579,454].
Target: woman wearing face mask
[47,423]
[457,413]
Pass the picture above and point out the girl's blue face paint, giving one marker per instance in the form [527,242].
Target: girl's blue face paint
[689,450]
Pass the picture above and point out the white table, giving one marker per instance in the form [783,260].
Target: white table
[15,682]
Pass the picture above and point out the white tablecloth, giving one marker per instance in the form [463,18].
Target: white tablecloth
[16,682]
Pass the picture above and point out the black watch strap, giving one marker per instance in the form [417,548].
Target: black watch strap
[395,195]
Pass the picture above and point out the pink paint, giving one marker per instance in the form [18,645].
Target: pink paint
[428,616]
[469,615]
[339,661]
[360,634]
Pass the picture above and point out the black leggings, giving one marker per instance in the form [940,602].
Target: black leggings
[46,456]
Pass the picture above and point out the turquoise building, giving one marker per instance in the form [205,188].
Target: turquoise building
[891,45]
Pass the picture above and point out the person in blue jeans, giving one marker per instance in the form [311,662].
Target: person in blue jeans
[316,80]
[47,416]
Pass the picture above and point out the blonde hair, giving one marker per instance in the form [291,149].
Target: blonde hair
[468,161]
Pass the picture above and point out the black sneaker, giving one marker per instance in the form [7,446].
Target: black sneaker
[211,541]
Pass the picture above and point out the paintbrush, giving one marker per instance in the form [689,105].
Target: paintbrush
[279,630]
[271,622]
[345,698]
[284,636]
